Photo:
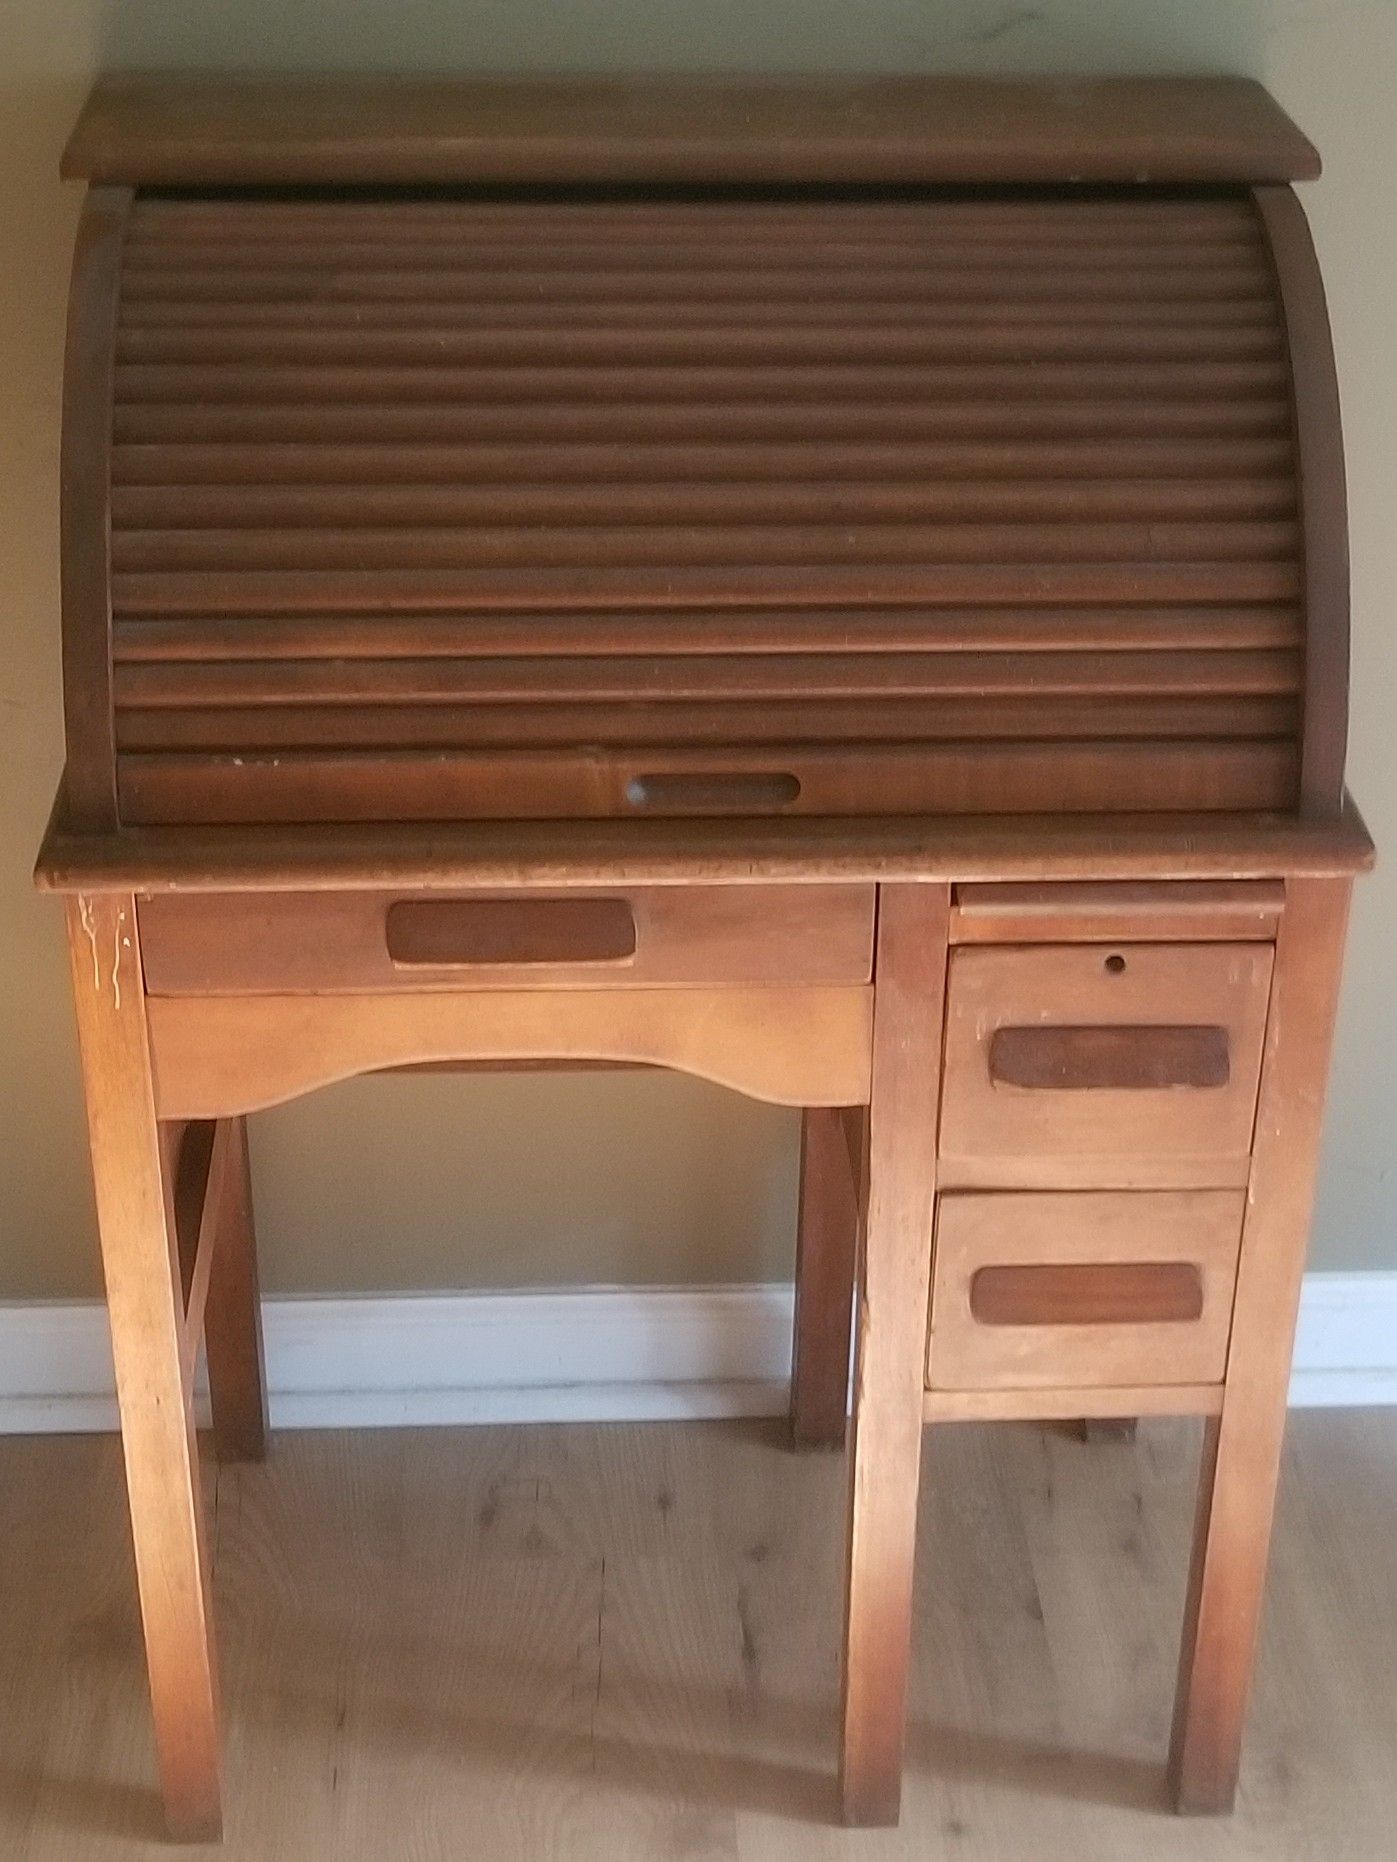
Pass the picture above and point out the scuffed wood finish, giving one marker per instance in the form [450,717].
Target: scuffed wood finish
[1241,1457]
[826,1243]
[890,1342]
[89,370]
[1031,1127]
[1046,1333]
[154,1389]
[222,1055]
[1100,911]
[487,607]
[1083,1404]
[275,943]
[233,1315]
[219,130]
[340,858]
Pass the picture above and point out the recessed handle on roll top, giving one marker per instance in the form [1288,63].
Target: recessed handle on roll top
[447,933]
[720,792]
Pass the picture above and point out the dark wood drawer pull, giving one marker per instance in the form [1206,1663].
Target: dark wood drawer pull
[1141,1059]
[1090,1293]
[734,793]
[449,932]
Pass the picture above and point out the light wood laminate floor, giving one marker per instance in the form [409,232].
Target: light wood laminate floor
[620,1642]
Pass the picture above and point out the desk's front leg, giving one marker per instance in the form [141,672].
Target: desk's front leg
[890,1344]
[150,1349]
[1242,1445]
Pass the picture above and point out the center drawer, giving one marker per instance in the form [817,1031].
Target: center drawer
[1083,1065]
[282,942]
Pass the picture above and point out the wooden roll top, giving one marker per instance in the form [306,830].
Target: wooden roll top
[928,447]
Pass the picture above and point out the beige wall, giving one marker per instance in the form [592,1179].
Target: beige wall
[439,1182]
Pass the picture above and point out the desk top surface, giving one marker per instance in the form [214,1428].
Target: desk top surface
[185,130]
[520,854]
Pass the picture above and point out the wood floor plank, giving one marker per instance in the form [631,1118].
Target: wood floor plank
[621,1642]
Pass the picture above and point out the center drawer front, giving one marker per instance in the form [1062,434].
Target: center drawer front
[265,943]
[1085,1065]
[1083,1290]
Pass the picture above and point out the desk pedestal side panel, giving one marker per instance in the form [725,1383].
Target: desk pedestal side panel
[440,507]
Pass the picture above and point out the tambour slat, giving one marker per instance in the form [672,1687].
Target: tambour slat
[692,344]
[479,256]
[734,630]
[686,721]
[936,469]
[785,311]
[828,423]
[786,501]
[926,284]
[237,382]
[908,778]
[427,506]
[617,545]
[234,591]
[825,675]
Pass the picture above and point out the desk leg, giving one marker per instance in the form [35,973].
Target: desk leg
[890,1344]
[826,1239]
[233,1318]
[145,1303]
[1242,1446]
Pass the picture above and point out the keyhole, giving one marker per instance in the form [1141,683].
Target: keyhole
[1115,963]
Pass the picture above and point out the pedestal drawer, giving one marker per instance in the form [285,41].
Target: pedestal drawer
[1084,1065]
[1082,1290]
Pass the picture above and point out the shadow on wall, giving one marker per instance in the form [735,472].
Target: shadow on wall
[639,35]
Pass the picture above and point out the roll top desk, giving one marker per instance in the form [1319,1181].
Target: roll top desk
[840,588]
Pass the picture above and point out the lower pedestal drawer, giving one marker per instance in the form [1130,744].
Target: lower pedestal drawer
[1082,1289]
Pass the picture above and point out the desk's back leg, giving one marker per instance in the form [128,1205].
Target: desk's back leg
[153,1382]
[1242,1445]
[890,1343]
[233,1317]
[826,1239]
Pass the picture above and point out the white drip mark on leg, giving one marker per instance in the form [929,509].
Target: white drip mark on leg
[90,932]
[118,940]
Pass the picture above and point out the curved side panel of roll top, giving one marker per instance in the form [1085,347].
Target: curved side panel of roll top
[456,507]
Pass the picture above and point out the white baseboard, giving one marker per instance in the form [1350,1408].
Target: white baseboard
[591,1355]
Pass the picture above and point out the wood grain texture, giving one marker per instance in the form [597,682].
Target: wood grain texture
[233,1315]
[827,1227]
[140,1259]
[322,943]
[85,507]
[1016,912]
[579,1661]
[1124,1133]
[1040,1235]
[1080,1404]
[1242,1449]
[222,1055]
[152,129]
[890,1345]
[393,639]
[1323,496]
[345,857]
